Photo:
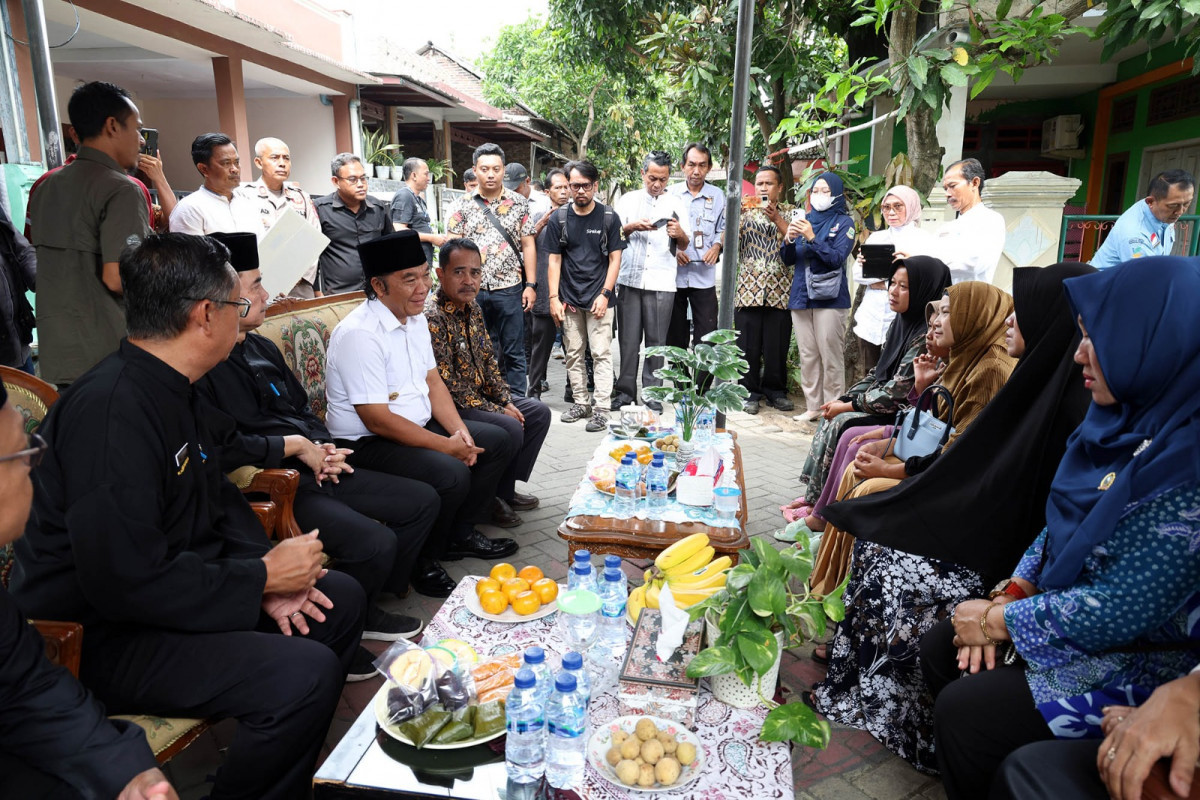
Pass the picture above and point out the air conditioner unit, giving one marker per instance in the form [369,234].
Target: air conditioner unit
[1060,136]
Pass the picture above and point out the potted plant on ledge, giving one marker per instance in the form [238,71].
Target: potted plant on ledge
[765,607]
[718,362]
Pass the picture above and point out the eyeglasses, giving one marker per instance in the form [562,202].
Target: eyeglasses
[580,187]
[892,208]
[242,303]
[354,180]
[32,454]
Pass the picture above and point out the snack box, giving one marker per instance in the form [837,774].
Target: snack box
[650,687]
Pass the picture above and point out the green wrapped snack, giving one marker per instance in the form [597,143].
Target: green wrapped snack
[454,732]
[466,715]
[420,730]
[489,719]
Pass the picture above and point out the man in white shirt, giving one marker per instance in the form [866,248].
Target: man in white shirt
[972,243]
[213,208]
[387,402]
[656,225]
[265,200]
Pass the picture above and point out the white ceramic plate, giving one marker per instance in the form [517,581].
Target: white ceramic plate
[601,741]
[381,716]
[472,603]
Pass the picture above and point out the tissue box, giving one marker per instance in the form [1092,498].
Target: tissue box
[649,686]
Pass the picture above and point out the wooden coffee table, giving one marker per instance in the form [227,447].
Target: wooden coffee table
[646,538]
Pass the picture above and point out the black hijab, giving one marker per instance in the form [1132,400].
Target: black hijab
[928,279]
[984,500]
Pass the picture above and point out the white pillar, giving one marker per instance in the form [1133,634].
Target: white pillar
[1032,205]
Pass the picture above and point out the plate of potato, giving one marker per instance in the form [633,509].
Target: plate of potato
[646,754]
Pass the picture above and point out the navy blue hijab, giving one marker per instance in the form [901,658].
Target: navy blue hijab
[822,221]
[1141,318]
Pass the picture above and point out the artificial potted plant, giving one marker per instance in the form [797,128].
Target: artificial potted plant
[765,607]
[718,362]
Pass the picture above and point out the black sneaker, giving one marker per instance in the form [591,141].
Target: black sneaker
[362,666]
[384,627]
[598,422]
[576,413]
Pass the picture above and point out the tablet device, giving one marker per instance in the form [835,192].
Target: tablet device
[877,261]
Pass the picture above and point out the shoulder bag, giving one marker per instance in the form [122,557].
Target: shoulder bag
[917,431]
[492,218]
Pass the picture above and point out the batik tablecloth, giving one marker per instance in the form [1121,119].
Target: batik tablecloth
[587,500]
[737,766]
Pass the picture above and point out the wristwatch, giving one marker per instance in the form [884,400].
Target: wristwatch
[1008,587]
[529,285]
[608,294]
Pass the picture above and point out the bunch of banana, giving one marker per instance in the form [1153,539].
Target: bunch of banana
[688,566]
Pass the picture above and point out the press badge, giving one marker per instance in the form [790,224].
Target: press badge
[698,240]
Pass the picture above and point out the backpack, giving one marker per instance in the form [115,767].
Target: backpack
[562,224]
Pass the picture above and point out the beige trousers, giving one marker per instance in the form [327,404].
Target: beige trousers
[821,337]
[581,330]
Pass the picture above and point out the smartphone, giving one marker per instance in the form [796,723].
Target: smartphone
[661,223]
[150,141]
[798,215]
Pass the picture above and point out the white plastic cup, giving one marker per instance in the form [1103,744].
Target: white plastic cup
[727,500]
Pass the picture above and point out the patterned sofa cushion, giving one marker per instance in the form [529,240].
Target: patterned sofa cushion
[302,336]
[28,405]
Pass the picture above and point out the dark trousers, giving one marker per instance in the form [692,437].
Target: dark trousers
[978,720]
[372,523]
[642,314]
[1051,770]
[282,690]
[541,332]
[466,492]
[505,320]
[527,439]
[868,355]
[704,315]
[764,335]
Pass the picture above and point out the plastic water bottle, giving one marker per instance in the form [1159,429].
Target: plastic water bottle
[525,750]
[535,662]
[586,579]
[657,478]
[566,734]
[626,491]
[614,562]
[572,663]
[706,423]
[613,597]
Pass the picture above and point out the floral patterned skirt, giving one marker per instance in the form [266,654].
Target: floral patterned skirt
[874,681]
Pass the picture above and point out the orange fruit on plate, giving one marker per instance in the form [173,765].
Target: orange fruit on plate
[526,603]
[546,590]
[486,585]
[503,571]
[531,574]
[513,587]
[493,602]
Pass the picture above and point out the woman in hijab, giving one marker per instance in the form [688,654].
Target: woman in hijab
[1104,606]
[817,245]
[901,210]
[893,598]
[1011,452]
[917,281]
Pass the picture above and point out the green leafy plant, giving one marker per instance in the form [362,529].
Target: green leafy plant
[439,168]
[378,150]
[767,592]
[717,355]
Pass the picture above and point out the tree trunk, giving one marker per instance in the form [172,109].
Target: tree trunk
[924,150]
[587,131]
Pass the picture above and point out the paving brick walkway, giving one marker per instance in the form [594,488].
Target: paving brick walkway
[854,767]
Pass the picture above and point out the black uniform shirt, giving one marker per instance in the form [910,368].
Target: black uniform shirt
[134,524]
[340,267]
[49,721]
[251,401]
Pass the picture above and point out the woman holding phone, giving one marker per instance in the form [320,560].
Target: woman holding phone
[816,246]
[763,282]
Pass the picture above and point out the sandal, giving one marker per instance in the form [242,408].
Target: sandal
[793,512]
[819,657]
[791,532]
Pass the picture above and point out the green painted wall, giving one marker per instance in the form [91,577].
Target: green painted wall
[1160,56]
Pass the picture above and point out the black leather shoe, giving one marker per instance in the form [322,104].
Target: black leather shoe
[476,545]
[782,403]
[751,407]
[502,514]
[430,579]
[523,502]
[618,401]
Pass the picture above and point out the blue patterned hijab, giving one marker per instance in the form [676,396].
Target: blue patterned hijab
[1141,318]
